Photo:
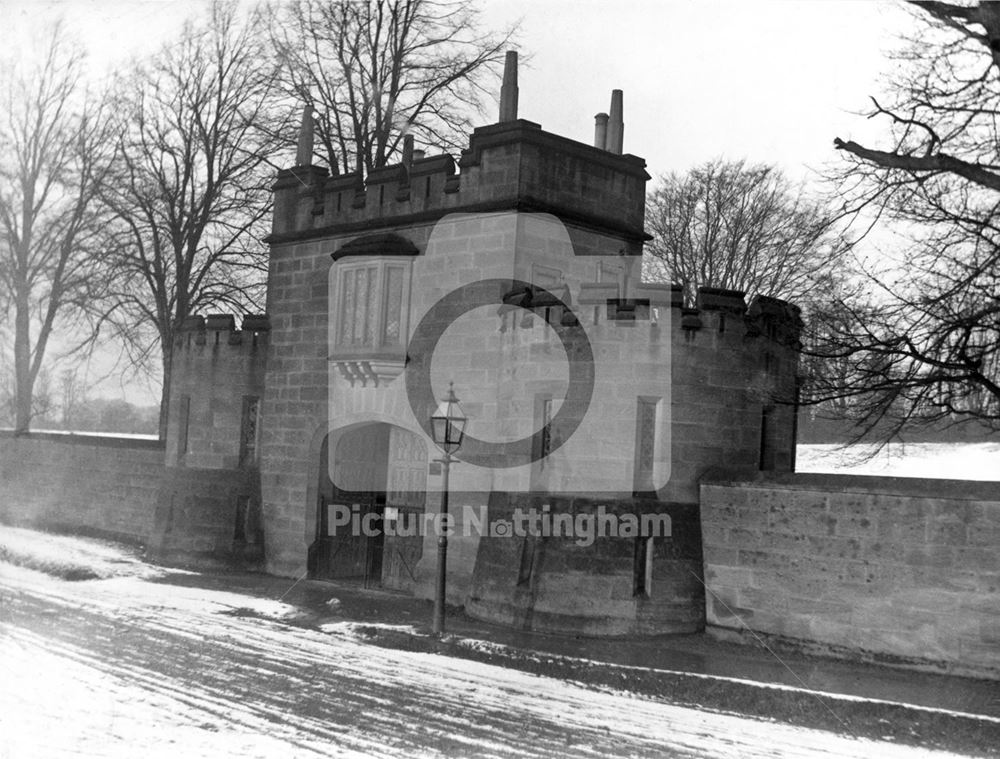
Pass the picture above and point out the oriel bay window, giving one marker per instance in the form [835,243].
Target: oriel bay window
[370,307]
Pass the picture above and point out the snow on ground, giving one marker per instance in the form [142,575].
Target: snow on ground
[74,433]
[129,667]
[70,557]
[957,461]
[350,629]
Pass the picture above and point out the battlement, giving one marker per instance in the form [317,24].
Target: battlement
[513,165]
[722,312]
[217,330]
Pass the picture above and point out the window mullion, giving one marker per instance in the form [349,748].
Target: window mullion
[380,293]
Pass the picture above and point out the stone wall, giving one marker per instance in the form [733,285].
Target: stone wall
[610,587]
[86,483]
[295,416]
[208,517]
[898,570]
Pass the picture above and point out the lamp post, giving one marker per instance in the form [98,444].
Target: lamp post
[448,426]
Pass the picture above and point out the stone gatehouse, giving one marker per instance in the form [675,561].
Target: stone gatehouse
[515,275]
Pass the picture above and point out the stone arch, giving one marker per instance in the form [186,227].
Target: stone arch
[334,430]
[328,436]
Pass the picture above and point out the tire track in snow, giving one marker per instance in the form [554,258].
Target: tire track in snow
[167,657]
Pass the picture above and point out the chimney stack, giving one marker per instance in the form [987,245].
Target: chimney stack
[303,155]
[508,90]
[616,127]
[407,150]
[601,131]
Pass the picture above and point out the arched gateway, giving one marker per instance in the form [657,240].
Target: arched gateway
[378,475]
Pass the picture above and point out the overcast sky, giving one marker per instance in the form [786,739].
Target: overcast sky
[768,80]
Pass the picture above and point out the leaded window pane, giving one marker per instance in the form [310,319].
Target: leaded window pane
[393,305]
[371,307]
[360,306]
[346,309]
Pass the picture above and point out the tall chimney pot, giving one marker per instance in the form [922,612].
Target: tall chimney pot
[407,150]
[601,131]
[304,151]
[508,90]
[616,127]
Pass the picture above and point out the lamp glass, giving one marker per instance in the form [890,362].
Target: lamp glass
[448,423]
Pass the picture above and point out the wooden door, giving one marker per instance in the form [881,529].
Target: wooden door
[406,496]
[355,490]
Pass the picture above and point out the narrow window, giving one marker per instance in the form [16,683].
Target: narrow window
[645,444]
[642,567]
[358,306]
[546,427]
[766,444]
[393,306]
[346,315]
[182,432]
[527,560]
[543,421]
[249,430]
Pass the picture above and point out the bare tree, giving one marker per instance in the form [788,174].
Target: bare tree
[190,194]
[376,70]
[53,157]
[741,227]
[924,346]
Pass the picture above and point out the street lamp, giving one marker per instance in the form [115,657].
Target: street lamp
[448,427]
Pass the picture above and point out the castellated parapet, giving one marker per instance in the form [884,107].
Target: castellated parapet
[513,166]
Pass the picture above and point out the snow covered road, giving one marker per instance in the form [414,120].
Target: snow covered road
[129,667]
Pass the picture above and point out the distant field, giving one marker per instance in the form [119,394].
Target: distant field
[959,461]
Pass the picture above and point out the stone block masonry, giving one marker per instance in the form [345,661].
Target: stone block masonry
[209,505]
[551,583]
[104,486]
[217,371]
[902,571]
[508,166]
[119,488]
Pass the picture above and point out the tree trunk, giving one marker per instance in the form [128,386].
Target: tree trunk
[165,392]
[22,366]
